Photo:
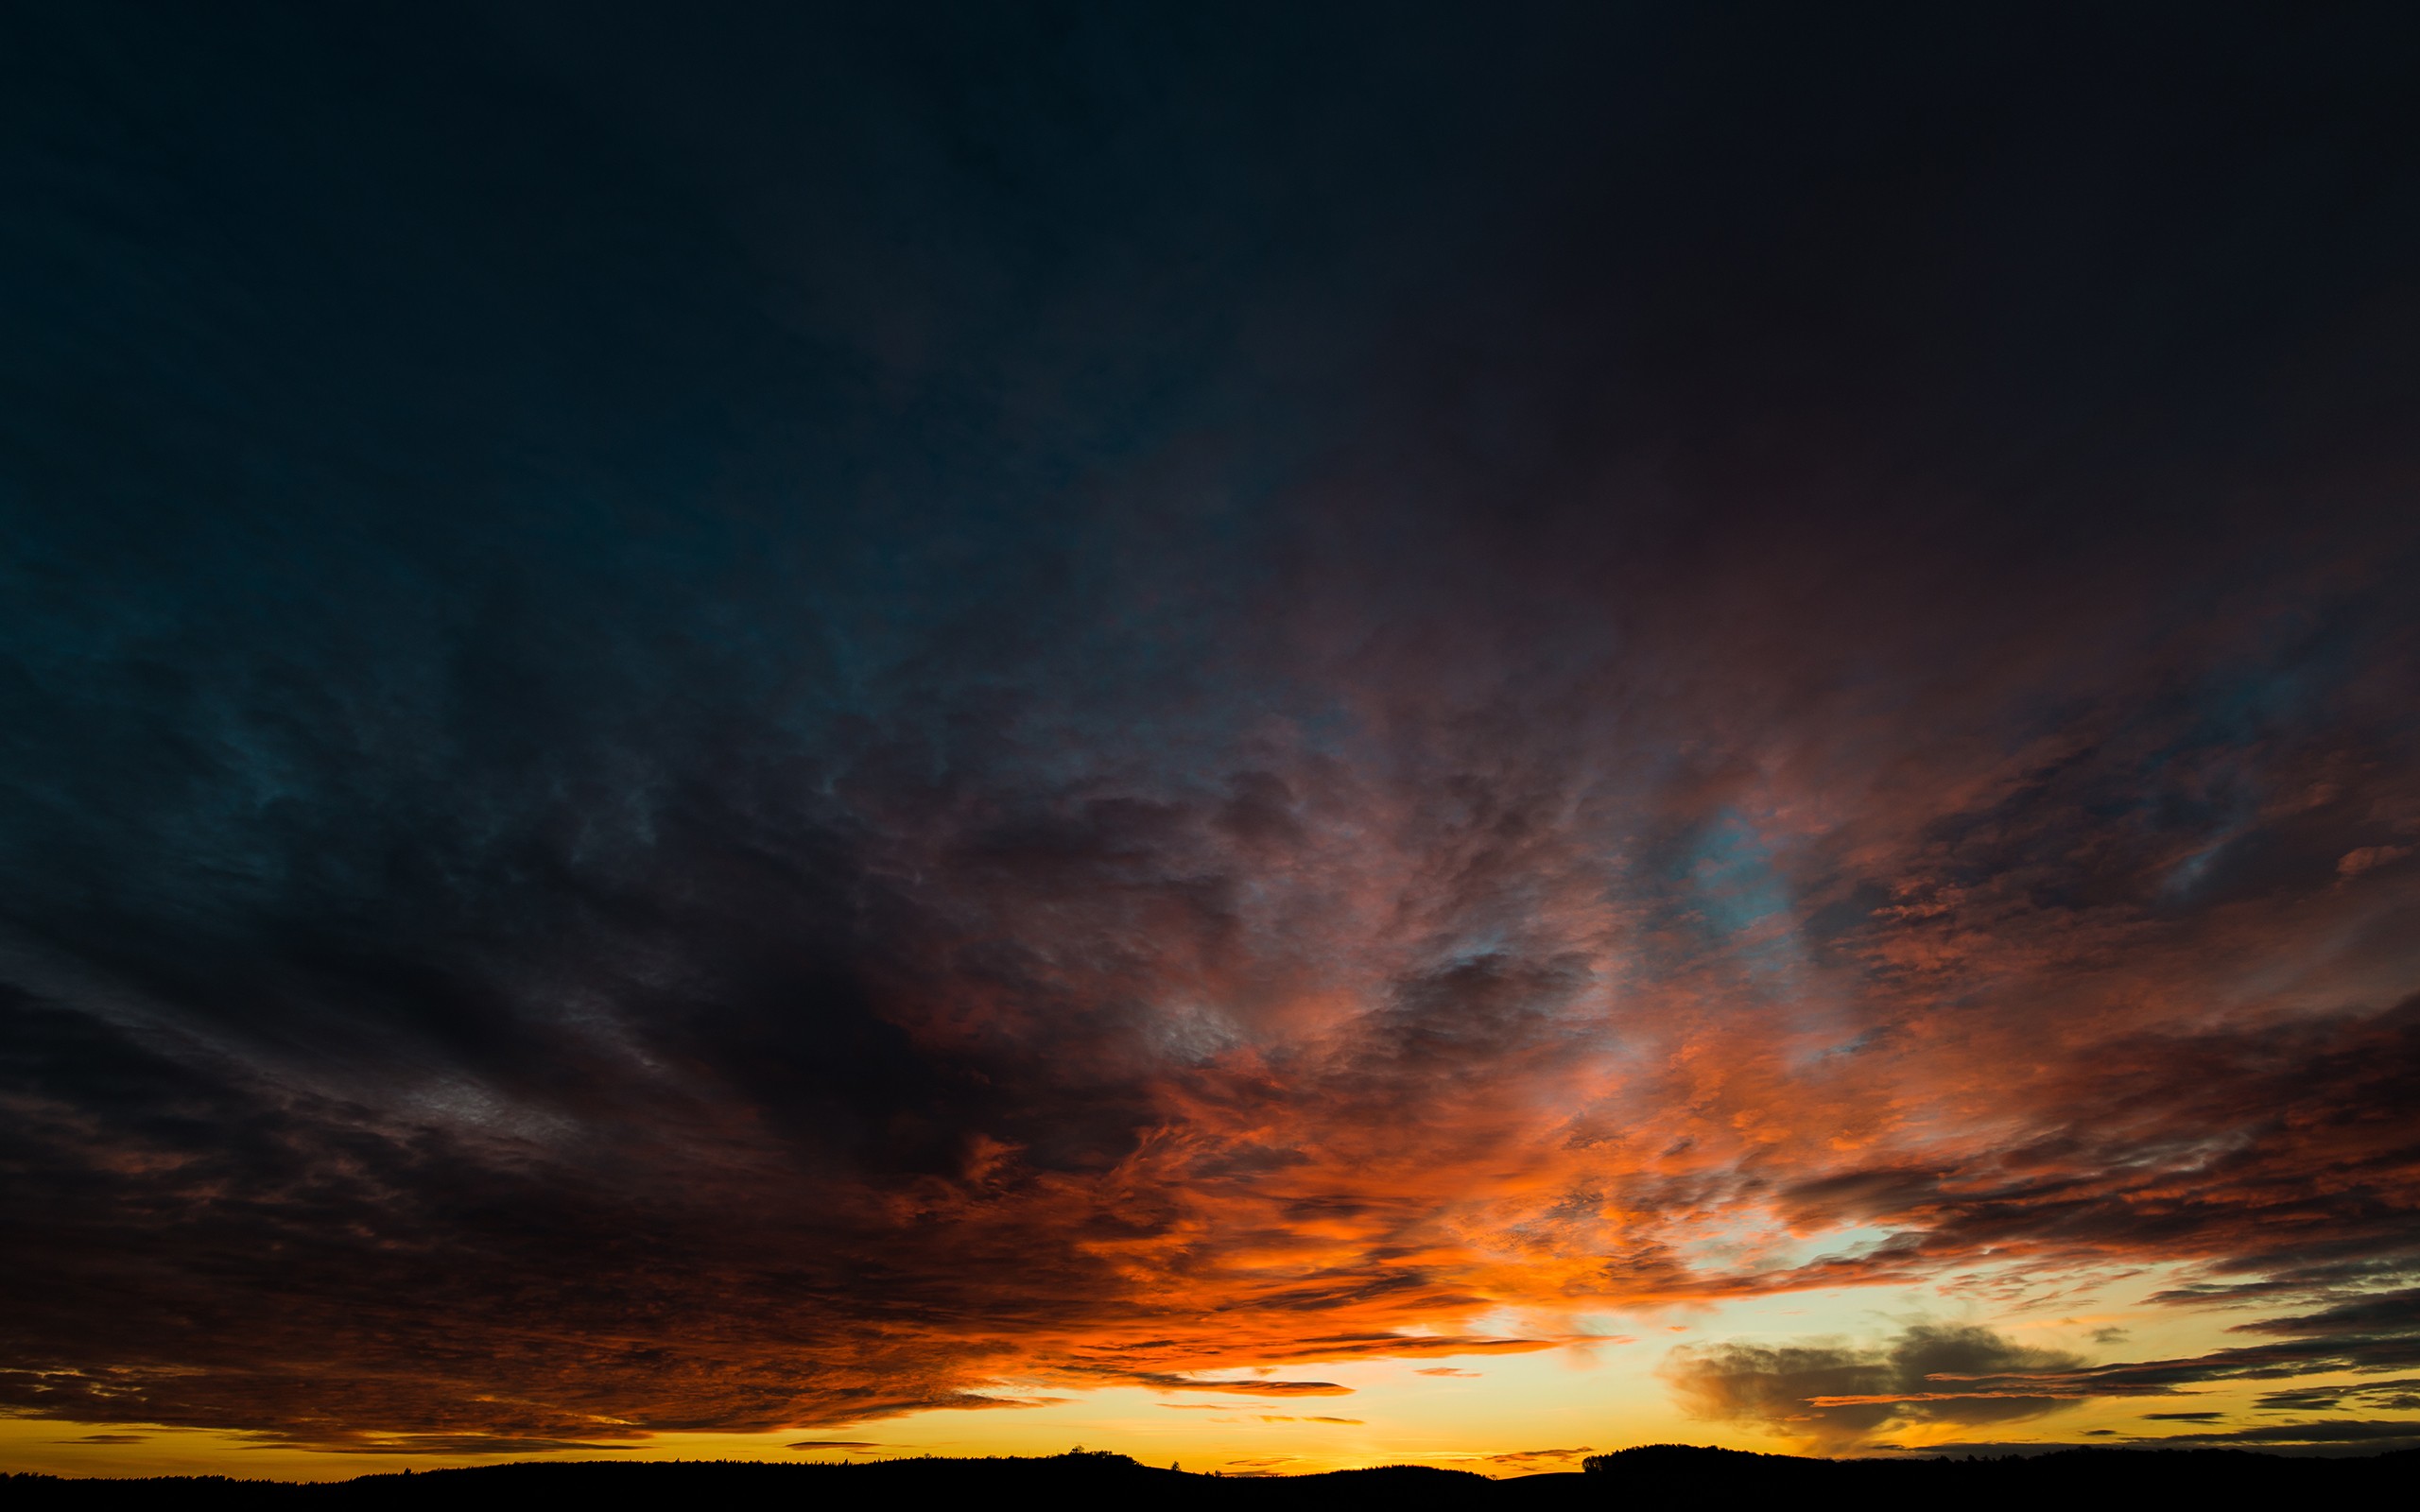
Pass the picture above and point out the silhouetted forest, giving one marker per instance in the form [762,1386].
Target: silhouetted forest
[2087,1477]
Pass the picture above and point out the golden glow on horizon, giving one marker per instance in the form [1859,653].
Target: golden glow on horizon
[1499,1414]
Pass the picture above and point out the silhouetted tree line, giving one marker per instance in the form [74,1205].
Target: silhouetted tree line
[1632,1478]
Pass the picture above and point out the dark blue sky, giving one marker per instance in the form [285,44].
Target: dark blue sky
[739,717]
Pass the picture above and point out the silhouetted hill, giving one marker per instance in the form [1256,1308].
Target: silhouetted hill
[2069,1478]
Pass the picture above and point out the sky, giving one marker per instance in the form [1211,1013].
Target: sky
[1277,737]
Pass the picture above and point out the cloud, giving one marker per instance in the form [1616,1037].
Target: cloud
[1246,1388]
[1840,1395]
[2333,1436]
[2370,1334]
[1449,1370]
[1528,1459]
[2356,862]
[478,1441]
[2378,1434]
[2401,1393]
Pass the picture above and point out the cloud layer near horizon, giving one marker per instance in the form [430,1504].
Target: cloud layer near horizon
[740,730]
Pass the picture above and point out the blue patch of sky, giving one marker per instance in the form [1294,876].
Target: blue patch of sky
[1730,873]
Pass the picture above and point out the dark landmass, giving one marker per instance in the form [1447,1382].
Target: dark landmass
[2088,1477]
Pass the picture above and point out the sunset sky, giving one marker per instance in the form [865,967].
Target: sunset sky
[1278,737]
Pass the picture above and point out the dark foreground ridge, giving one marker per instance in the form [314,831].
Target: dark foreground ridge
[2088,1477]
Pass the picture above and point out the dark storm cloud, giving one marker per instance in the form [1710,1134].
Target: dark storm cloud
[737,721]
